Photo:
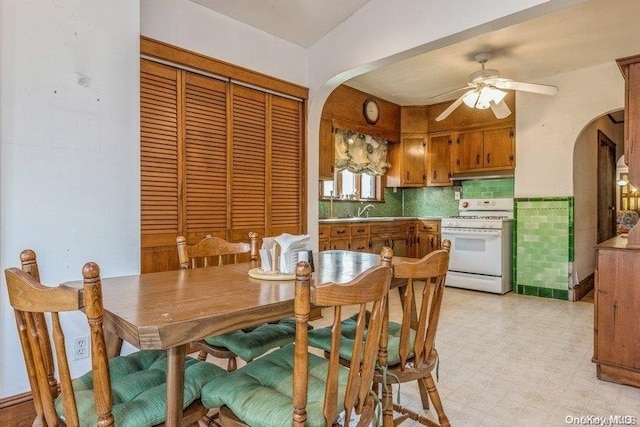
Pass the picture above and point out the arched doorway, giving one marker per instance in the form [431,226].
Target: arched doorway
[587,195]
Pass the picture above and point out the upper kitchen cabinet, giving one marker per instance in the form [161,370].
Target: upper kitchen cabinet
[408,167]
[480,141]
[484,150]
[439,160]
[407,162]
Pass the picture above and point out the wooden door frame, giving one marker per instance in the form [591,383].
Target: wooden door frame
[608,181]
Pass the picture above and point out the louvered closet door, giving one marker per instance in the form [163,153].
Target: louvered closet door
[286,167]
[205,157]
[159,146]
[249,180]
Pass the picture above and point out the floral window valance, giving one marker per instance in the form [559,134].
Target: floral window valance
[360,153]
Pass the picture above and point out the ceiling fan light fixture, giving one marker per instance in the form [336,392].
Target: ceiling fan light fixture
[481,98]
[471,98]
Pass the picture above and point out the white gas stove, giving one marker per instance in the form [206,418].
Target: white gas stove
[480,256]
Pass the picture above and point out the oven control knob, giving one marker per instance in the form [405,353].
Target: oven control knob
[465,204]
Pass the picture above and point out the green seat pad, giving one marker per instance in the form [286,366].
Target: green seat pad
[321,338]
[248,344]
[261,393]
[139,388]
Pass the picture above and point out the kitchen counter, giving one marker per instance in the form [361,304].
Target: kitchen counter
[376,218]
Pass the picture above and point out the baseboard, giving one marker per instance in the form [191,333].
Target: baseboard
[17,410]
[584,287]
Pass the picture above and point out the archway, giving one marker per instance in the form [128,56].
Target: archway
[585,177]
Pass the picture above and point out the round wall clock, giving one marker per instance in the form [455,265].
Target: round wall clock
[371,110]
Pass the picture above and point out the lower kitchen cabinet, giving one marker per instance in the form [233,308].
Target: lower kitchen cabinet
[617,304]
[408,238]
[428,237]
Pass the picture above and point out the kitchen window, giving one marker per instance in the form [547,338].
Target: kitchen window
[347,185]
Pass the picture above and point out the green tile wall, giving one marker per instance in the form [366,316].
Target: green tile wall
[487,188]
[543,238]
[392,206]
[430,201]
[424,202]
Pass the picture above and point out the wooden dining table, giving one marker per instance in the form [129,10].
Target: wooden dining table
[168,310]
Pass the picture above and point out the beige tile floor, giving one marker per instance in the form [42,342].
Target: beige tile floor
[516,360]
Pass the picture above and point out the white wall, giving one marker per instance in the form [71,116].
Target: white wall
[547,127]
[194,27]
[69,151]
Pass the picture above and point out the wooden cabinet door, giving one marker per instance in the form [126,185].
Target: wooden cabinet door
[399,245]
[327,147]
[360,244]
[499,149]
[439,161]
[413,173]
[427,242]
[340,244]
[378,242]
[324,244]
[468,152]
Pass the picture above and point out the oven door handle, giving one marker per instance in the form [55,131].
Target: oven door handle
[471,233]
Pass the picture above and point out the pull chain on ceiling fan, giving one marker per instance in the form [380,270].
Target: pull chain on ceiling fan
[486,89]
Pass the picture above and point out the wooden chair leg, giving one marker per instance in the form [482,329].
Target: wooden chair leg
[387,405]
[435,399]
[424,395]
[202,355]
[232,365]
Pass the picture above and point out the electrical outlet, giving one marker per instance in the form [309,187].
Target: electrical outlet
[456,195]
[80,347]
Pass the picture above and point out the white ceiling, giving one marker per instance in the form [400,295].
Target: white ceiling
[585,35]
[302,22]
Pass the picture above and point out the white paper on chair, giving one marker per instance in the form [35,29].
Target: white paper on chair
[290,245]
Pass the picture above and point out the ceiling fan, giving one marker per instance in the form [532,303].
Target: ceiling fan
[486,89]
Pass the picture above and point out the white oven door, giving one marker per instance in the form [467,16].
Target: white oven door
[475,251]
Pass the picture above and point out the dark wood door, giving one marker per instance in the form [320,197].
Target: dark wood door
[606,188]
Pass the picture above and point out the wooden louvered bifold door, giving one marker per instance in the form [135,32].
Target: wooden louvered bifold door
[249,161]
[205,157]
[216,158]
[159,170]
[285,215]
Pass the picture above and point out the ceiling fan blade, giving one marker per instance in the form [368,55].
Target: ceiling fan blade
[452,107]
[527,87]
[501,110]
[448,92]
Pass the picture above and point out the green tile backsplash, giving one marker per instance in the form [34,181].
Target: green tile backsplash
[425,201]
[544,246]
[487,188]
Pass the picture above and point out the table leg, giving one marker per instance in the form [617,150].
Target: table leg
[175,384]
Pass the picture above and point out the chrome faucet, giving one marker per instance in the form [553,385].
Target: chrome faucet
[364,209]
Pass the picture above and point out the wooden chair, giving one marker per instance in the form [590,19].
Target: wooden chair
[292,386]
[244,343]
[125,390]
[410,354]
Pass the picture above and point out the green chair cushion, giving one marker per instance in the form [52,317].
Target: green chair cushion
[261,393]
[139,389]
[321,338]
[248,344]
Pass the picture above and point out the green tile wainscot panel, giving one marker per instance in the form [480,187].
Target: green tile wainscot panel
[543,238]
